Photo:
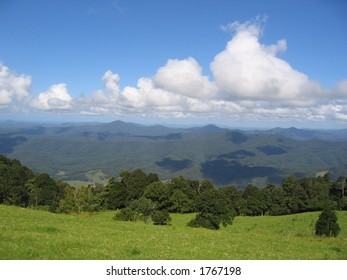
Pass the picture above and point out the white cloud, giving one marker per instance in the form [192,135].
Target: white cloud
[111,82]
[336,110]
[142,97]
[157,97]
[12,86]
[246,69]
[184,77]
[252,26]
[341,89]
[56,98]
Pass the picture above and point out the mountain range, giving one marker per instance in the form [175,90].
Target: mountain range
[84,151]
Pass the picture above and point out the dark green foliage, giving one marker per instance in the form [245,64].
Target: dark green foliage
[232,195]
[278,205]
[144,207]
[254,202]
[136,182]
[204,186]
[186,186]
[115,195]
[317,192]
[342,203]
[18,195]
[120,194]
[161,217]
[125,214]
[205,220]
[13,177]
[213,210]
[327,224]
[19,186]
[43,190]
[295,193]
[159,193]
[179,202]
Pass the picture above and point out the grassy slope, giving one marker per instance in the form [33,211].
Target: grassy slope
[32,234]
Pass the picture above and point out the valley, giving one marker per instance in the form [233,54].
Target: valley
[77,151]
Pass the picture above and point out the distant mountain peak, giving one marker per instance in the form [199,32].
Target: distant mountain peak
[210,128]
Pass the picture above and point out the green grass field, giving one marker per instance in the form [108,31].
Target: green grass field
[34,234]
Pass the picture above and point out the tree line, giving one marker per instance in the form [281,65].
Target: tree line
[138,195]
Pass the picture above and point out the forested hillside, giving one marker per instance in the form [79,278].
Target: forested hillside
[223,156]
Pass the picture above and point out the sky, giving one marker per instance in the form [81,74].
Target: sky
[234,63]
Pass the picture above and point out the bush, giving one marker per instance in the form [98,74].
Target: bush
[205,221]
[327,223]
[143,207]
[126,214]
[161,217]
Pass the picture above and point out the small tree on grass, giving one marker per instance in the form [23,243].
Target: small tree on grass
[327,223]
[161,217]
[143,207]
[125,214]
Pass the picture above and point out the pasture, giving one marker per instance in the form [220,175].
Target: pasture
[34,234]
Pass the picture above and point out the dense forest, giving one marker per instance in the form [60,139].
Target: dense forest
[143,196]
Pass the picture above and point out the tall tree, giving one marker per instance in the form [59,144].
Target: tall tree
[295,194]
[115,194]
[213,211]
[43,190]
[136,182]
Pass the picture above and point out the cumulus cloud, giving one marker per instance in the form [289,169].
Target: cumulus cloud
[145,96]
[111,82]
[12,86]
[56,98]
[247,69]
[185,77]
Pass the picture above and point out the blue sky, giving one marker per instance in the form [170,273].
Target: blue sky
[233,63]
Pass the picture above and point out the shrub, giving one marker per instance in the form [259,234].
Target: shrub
[126,214]
[327,223]
[143,207]
[206,221]
[161,217]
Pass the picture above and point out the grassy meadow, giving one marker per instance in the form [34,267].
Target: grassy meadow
[34,234]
